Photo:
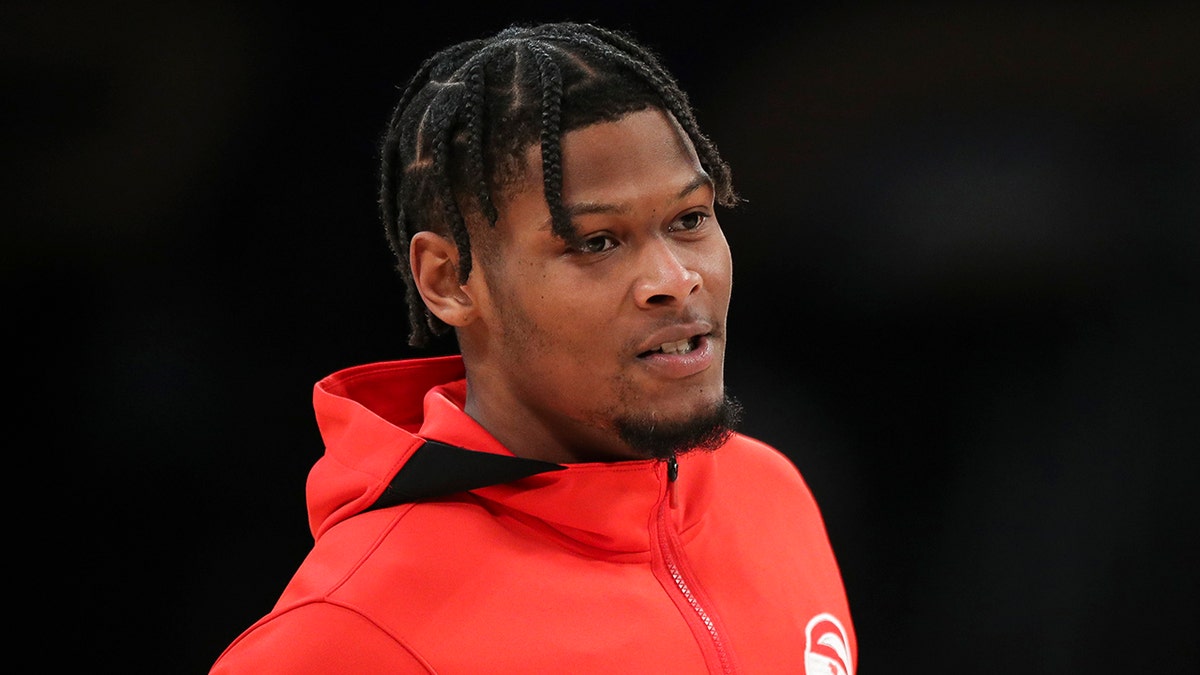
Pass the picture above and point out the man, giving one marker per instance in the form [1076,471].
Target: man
[569,495]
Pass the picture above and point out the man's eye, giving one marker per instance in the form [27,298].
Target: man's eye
[690,221]
[597,244]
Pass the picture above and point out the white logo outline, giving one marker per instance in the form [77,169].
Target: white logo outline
[826,647]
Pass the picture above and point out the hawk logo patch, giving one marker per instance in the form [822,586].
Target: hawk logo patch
[826,647]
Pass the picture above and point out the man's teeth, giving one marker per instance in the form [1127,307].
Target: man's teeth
[681,347]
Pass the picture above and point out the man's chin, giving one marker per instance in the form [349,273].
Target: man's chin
[654,437]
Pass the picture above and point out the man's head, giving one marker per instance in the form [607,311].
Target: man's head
[549,196]
[470,111]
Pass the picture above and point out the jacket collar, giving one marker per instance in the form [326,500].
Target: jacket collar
[397,431]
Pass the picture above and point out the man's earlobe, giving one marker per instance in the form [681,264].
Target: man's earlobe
[434,261]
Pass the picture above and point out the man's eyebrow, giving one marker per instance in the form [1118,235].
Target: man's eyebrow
[702,179]
[587,208]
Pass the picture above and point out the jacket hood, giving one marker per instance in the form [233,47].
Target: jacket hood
[396,432]
[373,419]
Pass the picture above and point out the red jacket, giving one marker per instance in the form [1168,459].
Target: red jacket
[451,555]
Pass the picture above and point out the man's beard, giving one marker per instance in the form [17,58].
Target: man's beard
[709,430]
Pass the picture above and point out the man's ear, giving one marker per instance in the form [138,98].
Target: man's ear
[434,261]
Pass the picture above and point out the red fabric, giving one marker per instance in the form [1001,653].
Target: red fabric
[586,570]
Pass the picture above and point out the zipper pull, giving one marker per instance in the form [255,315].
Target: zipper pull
[672,474]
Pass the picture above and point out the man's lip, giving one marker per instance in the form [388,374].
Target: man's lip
[675,333]
[680,367]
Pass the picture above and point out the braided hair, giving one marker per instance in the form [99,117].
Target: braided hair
[459,132]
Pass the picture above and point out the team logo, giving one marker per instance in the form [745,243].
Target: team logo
[827,649]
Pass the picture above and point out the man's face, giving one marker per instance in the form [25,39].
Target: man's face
[609,349]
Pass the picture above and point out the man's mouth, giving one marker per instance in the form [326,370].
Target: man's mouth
[675,348]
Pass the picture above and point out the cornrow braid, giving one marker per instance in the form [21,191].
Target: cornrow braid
[457,136]
[475,107]
[550,136]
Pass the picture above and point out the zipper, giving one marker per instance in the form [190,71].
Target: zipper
[672,474]
[670,559]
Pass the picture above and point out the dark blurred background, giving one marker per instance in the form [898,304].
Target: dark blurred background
[965,304]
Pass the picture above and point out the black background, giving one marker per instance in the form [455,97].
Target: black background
[965,304]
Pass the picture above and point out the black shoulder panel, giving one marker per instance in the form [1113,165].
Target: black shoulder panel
[438,469]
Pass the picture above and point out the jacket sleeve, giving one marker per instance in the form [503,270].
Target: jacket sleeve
[318,638]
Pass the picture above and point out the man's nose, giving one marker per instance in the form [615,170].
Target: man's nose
[665,275]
